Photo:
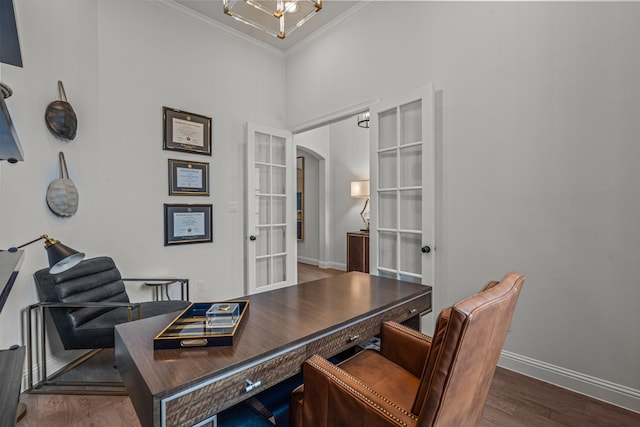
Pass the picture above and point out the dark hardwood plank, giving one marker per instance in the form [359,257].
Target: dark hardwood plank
[308,272]
[514,401]
[517,400]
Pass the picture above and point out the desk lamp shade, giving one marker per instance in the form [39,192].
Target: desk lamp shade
[61,257]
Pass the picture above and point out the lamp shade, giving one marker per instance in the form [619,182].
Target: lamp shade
[62,258]
[360,189]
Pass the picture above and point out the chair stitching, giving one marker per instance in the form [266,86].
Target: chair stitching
[362,396]
[416,334]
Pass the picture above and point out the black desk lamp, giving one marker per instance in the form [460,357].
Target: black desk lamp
[61,257]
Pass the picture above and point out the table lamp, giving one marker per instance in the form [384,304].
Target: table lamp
[61,257]
[360,190]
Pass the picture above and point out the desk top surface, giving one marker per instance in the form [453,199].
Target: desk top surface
[276,321]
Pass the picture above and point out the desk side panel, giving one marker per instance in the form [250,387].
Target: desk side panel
[140,395]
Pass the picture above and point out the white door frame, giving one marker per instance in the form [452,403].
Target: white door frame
[325,184]
[252,228]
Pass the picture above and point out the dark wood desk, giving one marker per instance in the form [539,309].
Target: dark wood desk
[184,387]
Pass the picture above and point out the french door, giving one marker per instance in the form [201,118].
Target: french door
[270,220]
[403,187]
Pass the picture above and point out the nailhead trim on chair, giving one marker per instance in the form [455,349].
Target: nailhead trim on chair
[354,391]
[410,331]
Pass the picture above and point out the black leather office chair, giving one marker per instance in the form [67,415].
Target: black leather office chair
[87,301]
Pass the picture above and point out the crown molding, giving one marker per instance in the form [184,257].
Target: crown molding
[192,14]
[340,20]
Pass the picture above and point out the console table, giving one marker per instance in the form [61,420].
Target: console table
[358,251]
[282,328]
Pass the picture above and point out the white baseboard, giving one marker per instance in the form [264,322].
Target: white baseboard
[336,266]
[316,262]
[310,261]
[616,394]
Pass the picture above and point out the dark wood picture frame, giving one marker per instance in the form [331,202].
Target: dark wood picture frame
[188,178]
[186,132]
[185,224]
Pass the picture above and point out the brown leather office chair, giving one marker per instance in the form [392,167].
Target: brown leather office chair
[414,380]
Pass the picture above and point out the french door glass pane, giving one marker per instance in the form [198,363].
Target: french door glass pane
[279,242]
[388,167]
[278,175]
[410,209]
[263,143]
[264,186]
[411,122]
[263,272]
[388,209]
[279,150]
[278,210]
[410,254]
[388,128]
[411,166]
[263,243]
[388,250]
[279,268]
[264,211]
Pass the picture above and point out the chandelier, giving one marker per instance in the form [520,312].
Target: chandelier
[275,17]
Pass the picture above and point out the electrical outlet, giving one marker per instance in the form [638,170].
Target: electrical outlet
[200,285]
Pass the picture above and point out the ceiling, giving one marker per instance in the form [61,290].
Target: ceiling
[213,10]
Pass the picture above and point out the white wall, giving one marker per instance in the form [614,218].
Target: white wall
[121,62]
[345,149]
[349,162]
[309,246]
[540,145]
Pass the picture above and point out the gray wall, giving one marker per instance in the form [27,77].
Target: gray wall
[540,107]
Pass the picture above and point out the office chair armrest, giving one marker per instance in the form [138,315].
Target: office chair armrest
[404,346]
[330,390]
[85,304]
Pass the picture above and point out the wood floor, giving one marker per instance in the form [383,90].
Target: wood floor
[514,400]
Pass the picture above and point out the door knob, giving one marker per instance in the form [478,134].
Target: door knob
[252,237]
[425,249]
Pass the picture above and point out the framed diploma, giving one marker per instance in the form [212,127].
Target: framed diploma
[186,132]
[187,224]
[188,178]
